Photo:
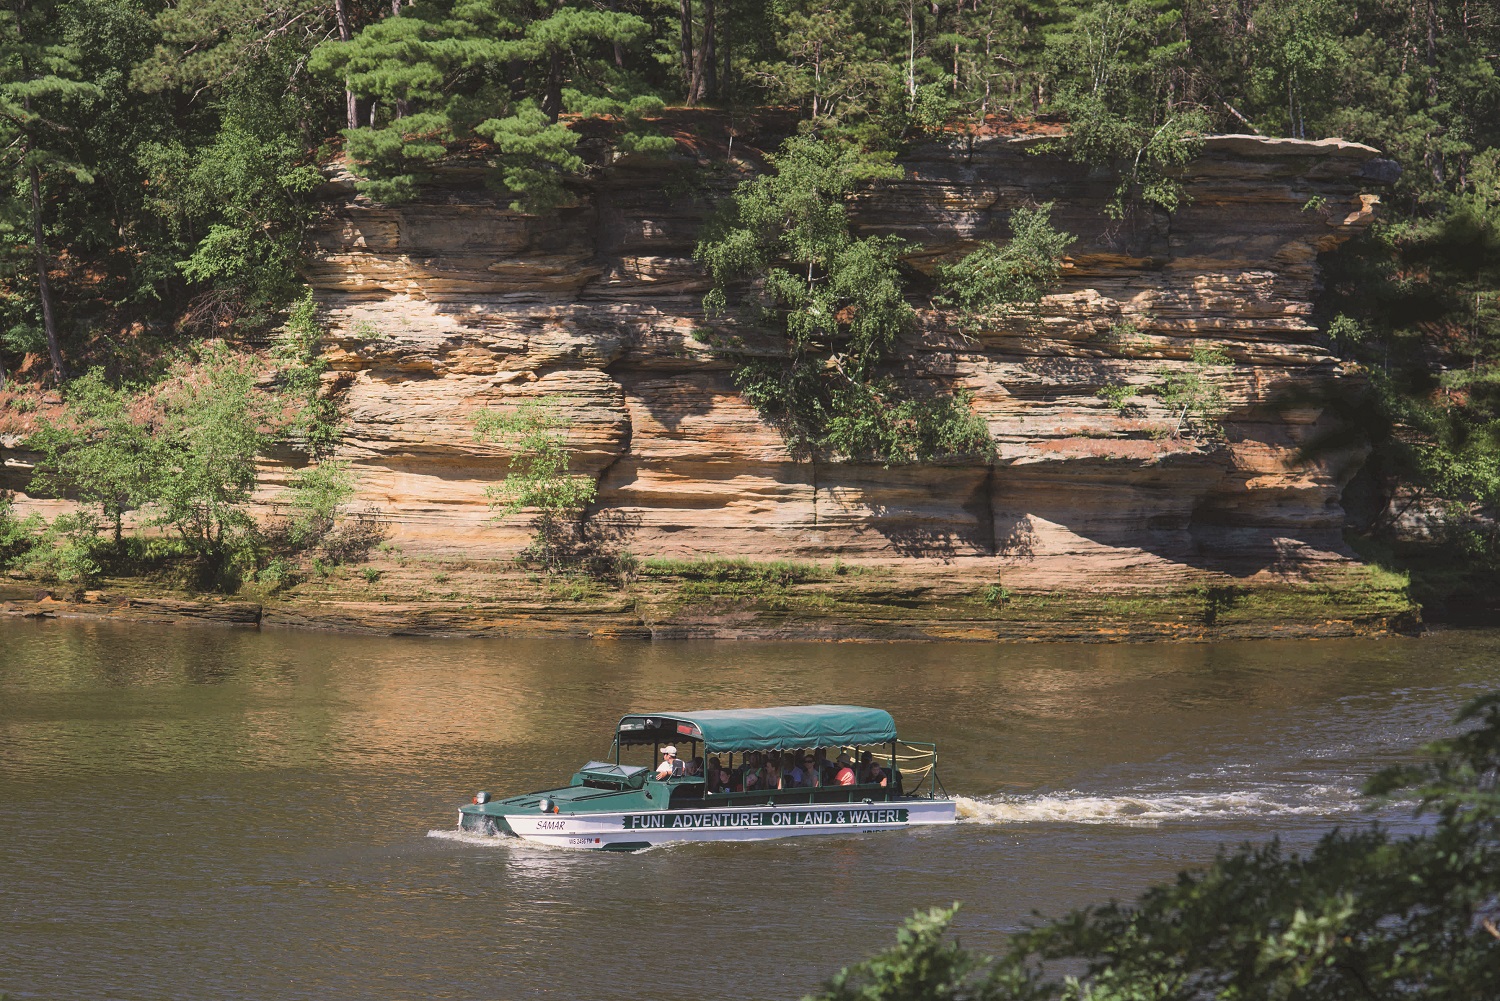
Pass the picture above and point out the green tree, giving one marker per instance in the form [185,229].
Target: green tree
[923,965]
[1299,58]
[786,249]
[99,452]
[829,64]
[17,535]
[539,477]
[505,70]
[241,203]
[39,83]
[315,424]
[211,423]
[1119,77]
[1192,394]
[993,280]
[315,498]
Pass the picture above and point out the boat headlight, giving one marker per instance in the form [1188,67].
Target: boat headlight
[544,804]
[481,798]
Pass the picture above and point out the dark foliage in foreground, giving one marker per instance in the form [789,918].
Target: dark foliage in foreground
[1364,915]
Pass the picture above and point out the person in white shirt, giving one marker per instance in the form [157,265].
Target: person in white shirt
[669,764]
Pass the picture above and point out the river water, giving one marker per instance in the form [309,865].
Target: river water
[203,813]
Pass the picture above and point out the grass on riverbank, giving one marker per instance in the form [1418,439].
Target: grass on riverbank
[743,597]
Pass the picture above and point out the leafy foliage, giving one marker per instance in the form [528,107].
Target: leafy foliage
[839,303]
[40,85]
[17,535]
[315,421]
[1365,914]
[315,497]
[1119,62]
[101,454]
[241,203]
[994,280]
[539,478]
[210,425]
[923,964]
[506,70]
[1192,394]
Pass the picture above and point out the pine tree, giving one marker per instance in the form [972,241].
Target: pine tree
[438,73]
[39,83]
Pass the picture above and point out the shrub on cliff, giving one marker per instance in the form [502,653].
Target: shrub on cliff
[210,424]
[17,535]
[540,480]
[784,256]
[1363,915]
[995,279]
[98,452]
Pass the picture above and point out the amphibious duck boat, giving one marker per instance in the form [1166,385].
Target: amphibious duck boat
[782,771]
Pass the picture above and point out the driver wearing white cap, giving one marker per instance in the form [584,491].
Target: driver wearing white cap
[669,766]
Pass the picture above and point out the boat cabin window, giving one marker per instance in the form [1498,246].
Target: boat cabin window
[799,768]
[642,741]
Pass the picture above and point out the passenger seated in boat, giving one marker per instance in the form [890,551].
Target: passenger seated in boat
[809,771]
[716,779]
[752,778]
[791,770]
[870,772]
[845,775]
[771,772]
[824,769]
[694,768]
[669,766]
[790,773]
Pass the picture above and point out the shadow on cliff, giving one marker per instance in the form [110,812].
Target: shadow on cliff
[1189,509]
[913,507]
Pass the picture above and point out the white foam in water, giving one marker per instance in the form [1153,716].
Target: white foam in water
[1150,810]
[467,837]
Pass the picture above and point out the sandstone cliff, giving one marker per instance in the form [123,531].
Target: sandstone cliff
[1091,522]
[455,303]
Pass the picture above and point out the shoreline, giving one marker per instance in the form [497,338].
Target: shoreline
[863,608]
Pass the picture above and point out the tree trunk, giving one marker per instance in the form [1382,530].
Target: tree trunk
[726,78]
[552,96]
[705,69]
[351,103]
[44,286]
[685,46]
[515,79]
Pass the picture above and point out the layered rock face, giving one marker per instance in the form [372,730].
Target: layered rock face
[444,307]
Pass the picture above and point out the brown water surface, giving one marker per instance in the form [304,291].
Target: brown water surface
[224,814]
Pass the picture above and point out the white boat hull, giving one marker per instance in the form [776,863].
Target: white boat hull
[643,829]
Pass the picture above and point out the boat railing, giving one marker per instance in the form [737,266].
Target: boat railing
[920,759]
[812,795]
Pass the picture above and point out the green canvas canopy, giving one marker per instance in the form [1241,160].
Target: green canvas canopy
[769,729]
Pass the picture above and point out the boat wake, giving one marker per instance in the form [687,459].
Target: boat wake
[469,837]
[1153,809]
